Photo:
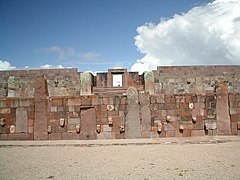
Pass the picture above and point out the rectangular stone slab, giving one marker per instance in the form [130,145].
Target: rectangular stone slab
[41,101]
[132,121]
[21,120]
[88,124]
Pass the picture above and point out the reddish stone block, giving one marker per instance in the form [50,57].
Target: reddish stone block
[194,99]
[70,136]
[116,124]
[55,136]
[4,130]
[170,106]
[234,128]
[112,113]
[59,129]
[122,107]
[188,98]
[233,104]
[74,102]
[222,110]
[235,118]
[3,136]
[199,125]
[145,134]
[170,133]
[86,100]
[96,100]
[30,122]
[105,100]
[88,124]
[57,102]
[119,136]
[154,134]
[23,136]
[187,126]
[41,105]
[198,133]
[232,98]
[30,114]
[169,127]
[187,133]
[184,106]
[153,99]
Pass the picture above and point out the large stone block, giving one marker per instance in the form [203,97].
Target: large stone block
[86,83]
[222,109]
[132,121]
[145,111]
[149,82]
[88,124]
[21,120]
[41,104]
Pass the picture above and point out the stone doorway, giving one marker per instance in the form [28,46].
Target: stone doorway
[88,123]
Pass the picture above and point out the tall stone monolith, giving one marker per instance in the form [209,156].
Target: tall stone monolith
[222,109]
[41,103]
[86,83]
[149,82]
[132,121]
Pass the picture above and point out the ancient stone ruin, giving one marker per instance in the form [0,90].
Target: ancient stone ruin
[174,101]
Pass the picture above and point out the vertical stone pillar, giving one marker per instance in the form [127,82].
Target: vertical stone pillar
[86,83]
[88,124]
[13,88]
[132,121]
[145,111]
[41,103]
[21,120]
[222,110]
[149,82]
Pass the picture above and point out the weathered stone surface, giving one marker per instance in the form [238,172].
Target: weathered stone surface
[132,121]
[222,109]
[41,101]
[88,124]
[21,120]
[86,83]
[145,111]
[12,87]
[149,82]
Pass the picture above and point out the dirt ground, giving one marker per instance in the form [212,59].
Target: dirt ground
[162,161]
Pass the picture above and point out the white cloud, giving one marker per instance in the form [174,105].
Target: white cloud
[5,65]
[64,53]
[208,34]
[90,55]
[48,66]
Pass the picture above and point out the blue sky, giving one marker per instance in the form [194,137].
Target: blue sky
[92,35]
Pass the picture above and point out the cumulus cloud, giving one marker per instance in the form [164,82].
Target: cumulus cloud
[48,66]
[5,65]
[207,34]
[64,53]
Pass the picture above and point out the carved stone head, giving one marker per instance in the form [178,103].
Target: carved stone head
[98,129]
[49,129]
[122,129]
[160,127]
[77,128]
[2,122]
[62,122]
[12,129]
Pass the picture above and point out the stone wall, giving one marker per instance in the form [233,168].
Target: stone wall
[185,105]
[195,79]
[21,83]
